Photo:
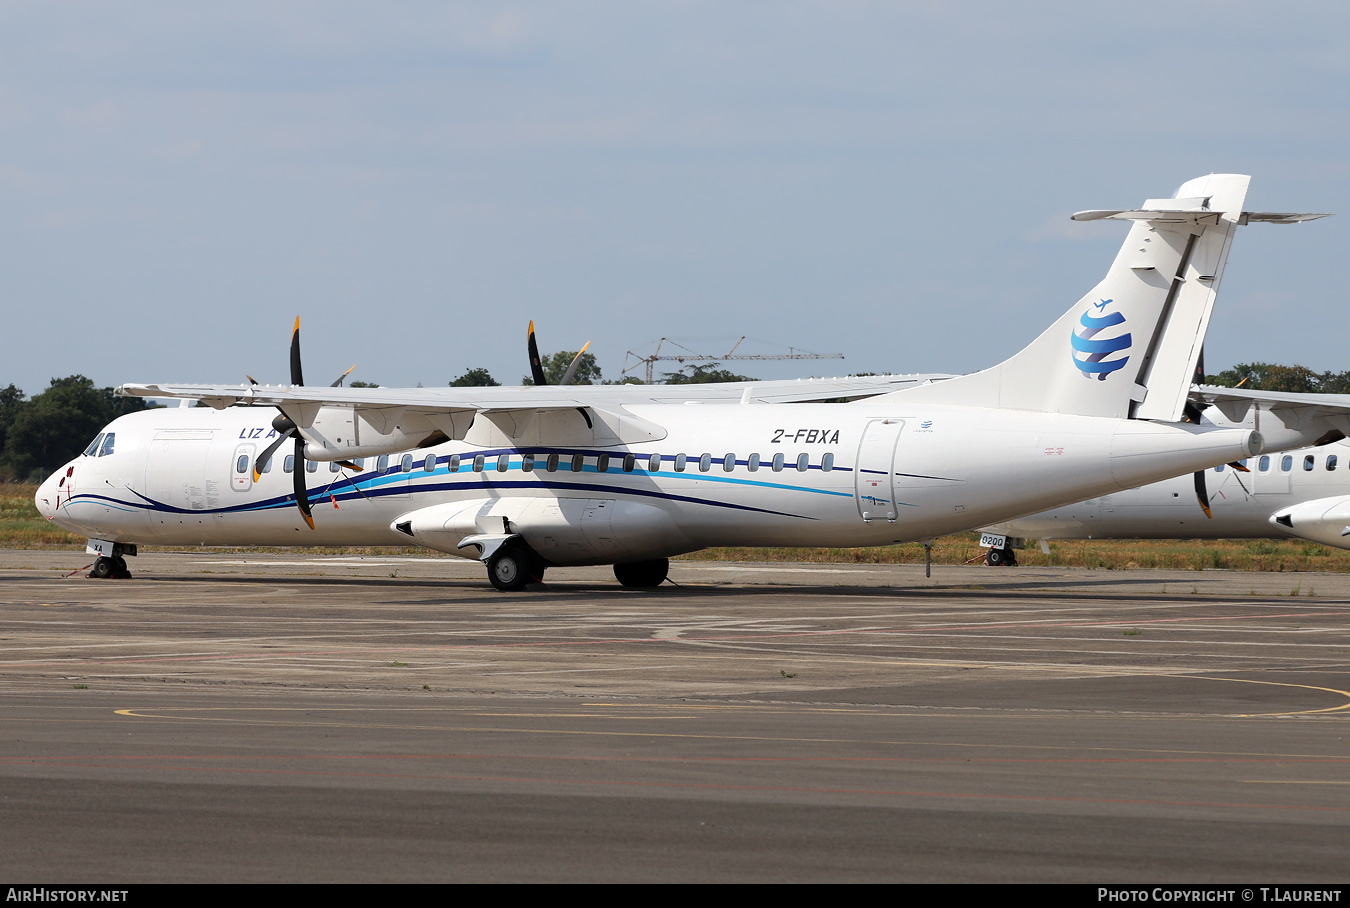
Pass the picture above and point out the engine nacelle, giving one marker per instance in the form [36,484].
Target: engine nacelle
[1324,520]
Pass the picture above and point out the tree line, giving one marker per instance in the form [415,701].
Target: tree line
[1273,377]
[39,434]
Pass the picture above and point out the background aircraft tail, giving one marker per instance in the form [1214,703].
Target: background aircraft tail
[1129,348]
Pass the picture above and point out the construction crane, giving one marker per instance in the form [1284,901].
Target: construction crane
[689,355]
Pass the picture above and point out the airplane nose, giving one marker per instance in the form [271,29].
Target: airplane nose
[45,497]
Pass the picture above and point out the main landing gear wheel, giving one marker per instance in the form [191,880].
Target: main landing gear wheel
[114,567]
[1002,558]
[511,567]
[643,574]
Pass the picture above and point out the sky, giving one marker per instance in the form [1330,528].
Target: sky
[417,181]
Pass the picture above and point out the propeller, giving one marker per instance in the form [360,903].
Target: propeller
[572,369]
[537,364]
[286,428]
[1191,413]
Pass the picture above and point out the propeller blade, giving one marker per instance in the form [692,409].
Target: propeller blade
[572,369]
[1239,467]
[351,466]
[298,481]
[536,365]
[297,377]
[342,376]
[267,454]
[1202,493]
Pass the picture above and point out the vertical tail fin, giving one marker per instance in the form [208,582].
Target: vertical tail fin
[1129,348]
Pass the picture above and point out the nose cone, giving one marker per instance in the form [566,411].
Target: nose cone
[46,495]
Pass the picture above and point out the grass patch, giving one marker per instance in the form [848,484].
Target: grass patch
[1103,554]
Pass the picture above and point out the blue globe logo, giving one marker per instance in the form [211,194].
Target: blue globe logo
[1090,349]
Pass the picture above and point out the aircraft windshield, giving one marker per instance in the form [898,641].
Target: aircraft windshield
[93,446]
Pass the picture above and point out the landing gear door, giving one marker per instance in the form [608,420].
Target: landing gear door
[874,477]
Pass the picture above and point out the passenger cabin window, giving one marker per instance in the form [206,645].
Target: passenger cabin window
[478,462]
[333,466]
[311,466]
[602,463]
[503,461]
[752,463]
[654,463]
[527,463]
[1219,468]
[827,463]
[382,464]
[629,461]
[289,463]
[1308,462]
[241,465]
[778,463]
[453,464]
[728,462]
[107,444]
[93,446]
[705,463]
[267,466]
[680,461]
[803,461]
[1331,461]
[578,461]
[552,464]
[1287,463]
[407,463]
[429,465]
[1264,463]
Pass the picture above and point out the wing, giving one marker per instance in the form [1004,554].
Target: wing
[339,423]
[1285,419]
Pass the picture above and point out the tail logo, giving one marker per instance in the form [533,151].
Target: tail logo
[1090,349]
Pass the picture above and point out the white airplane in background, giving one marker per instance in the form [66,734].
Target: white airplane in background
[1303,493]
[525,478]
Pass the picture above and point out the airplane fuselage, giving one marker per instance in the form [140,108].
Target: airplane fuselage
[866,473]
[1242,503]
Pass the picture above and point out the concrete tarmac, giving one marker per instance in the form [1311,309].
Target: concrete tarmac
[261,717]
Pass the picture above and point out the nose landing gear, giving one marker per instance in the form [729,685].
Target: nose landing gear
[114,568]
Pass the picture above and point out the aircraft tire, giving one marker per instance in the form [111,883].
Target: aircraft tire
[509,568]
[1001,558]
[103,568]
[643,574]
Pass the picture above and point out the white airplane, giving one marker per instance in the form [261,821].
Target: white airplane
[1302,493]
[525,478]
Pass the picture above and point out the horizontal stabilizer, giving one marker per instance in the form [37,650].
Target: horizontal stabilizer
[1194,216]
[1129,348]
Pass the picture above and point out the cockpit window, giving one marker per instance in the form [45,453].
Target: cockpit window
[93,446]
[107,444]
